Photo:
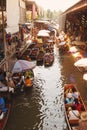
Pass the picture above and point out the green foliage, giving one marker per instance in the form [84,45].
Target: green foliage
[52,15]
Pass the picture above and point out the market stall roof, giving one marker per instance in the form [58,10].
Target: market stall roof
[82,4]
[81,63]
[29,3]
[42,21]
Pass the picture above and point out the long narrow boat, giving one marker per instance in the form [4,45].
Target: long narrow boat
[40,57]
[73,124]
[48,59]
[3,121]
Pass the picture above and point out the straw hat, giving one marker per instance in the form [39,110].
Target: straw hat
[84,116]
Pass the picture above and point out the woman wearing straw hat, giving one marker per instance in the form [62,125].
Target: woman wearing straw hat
[83,121]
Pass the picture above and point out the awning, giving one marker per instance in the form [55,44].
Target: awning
[12,29]
[79,6]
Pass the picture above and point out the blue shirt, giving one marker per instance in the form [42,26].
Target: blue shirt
[2,103]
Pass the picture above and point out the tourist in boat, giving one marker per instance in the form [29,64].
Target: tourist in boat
[75,94]
[68,89]
[78,105]
[69,98]
[73,114]
[83,121]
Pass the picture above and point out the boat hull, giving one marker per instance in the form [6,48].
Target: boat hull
[73,123]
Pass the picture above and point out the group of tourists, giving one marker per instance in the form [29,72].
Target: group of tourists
[75,107]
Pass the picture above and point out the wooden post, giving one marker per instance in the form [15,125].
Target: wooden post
[4,33]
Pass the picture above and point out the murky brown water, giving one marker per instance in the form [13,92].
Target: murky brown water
[42,107]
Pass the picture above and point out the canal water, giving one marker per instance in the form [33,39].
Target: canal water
[42,108]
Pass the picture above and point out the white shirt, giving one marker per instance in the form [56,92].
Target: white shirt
[73,114]
[75,94]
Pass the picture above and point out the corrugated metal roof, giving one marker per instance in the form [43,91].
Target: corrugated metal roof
[81,5]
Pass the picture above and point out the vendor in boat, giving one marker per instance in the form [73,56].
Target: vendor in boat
[28,82]
[29,74]
[11,85]
[21,81]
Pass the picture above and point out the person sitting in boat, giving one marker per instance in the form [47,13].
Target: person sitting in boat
[78,105]
[69,99]
[83,121]
[2,104]
[68,89]
[11,85]
[75,94]
[21,82]
[73,114]
[28,82]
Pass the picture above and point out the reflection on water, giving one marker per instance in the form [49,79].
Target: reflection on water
[51,97]
[42,108]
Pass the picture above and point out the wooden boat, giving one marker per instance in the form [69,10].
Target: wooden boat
[20,87]
[48,59]
[3,121]
[73,124]
[40,57]
[28,84]
[63,49]
[34,53]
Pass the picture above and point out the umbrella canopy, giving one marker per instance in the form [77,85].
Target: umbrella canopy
[62,43]
[50,40]
[81,63]
[43,34]
[73,49]
[44,31]
[23,65]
